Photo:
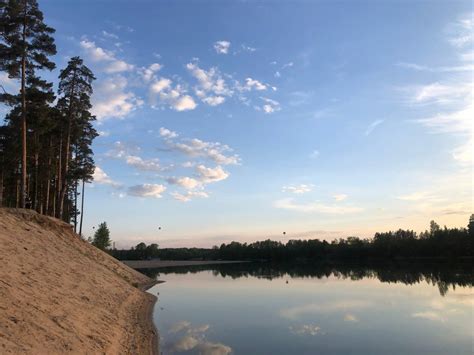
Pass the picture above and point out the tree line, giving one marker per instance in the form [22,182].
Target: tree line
[436,243]
[46,137]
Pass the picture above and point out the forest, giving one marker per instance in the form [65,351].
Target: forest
[46,136]
[438,242]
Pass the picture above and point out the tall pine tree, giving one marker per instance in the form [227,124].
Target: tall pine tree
[25,45]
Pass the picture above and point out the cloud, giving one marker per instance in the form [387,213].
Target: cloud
[372,126]
[270,105]
[149,72]
[461,32]
[147,190]
[298,189]
[129,155]
[323,308]
[189,195]
[100,55]
[306,329]
[340,197]
[222,47]
[100,177]
[315,207]
[166,133]
[211,88]
[214,151]
[438,93]
[456,68]
[350,318]
[208,175]
[112,100]
[185,182]
[429,315]
[175,97]
[109,35]
[254,84]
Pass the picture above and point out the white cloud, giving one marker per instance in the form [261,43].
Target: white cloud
[212,88]
[429,315]
[211,150]
[149,73]
[254,84]
[323,308]
[112,100]
[189,195]
[98,54]
[270,105]
[340,197]
[109,35]
[166,133]
[222,47]
[175,97]
[143,164]
[100,177]
[455,68]
[315,207]
[147,190]
[208,175]
[461,32]
[186,182]
[306,329]
[372,126]
[439,93]
[298,189]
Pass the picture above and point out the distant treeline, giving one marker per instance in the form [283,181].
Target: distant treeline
[436,243]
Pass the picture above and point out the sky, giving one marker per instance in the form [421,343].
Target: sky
[241,120]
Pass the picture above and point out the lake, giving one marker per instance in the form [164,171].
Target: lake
[325,309]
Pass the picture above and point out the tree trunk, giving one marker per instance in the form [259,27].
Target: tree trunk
[23,112]
[67,148]
[82,208]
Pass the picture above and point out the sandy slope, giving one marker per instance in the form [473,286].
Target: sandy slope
[58,294]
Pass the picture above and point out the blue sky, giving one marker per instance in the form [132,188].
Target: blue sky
[225,120]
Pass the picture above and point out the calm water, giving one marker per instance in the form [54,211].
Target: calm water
[260,309]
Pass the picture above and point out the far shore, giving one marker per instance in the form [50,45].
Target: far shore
[154,264]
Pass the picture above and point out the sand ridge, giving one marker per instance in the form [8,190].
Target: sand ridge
[59,294]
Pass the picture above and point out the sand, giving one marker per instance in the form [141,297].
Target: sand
[58,294]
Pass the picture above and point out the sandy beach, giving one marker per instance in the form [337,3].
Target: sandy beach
[58,294]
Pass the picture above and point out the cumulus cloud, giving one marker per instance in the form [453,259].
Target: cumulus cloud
[166,133]
[269,105]
[212,88]
[254,84]
[128,154]
[222,47]
[185,182]
[147,190]
[315,207]
[323,308]
[148,73]
[298,189]
[214,151]
[111,99]
[208,175]
[100,177]
[108,58]
[175,97]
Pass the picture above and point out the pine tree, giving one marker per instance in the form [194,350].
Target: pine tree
[101,238]
[75,86]
[25,45]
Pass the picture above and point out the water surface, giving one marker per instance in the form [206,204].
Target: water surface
[294,309]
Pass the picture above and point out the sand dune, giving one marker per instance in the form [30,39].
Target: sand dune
[58,294]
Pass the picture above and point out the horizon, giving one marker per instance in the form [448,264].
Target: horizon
[254,119]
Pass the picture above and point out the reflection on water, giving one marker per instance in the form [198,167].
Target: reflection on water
[306,309]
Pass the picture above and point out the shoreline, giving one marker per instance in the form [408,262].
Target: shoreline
[156,264]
